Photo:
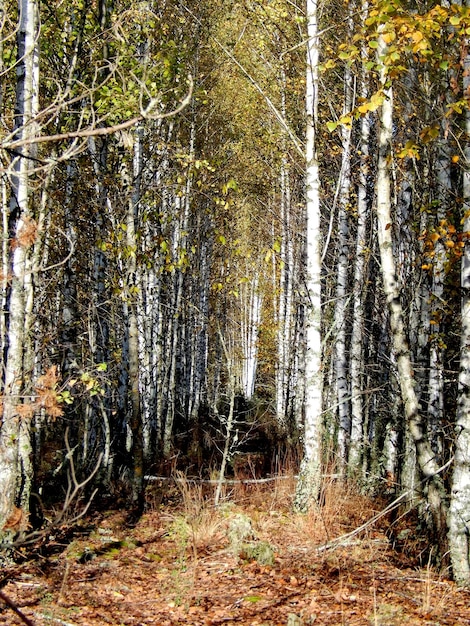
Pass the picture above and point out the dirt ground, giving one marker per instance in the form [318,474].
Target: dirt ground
[250,561]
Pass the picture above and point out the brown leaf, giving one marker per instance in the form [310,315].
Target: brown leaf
[26,410]
[27,234]
[17,521]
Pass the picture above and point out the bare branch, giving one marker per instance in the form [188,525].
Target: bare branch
[74,488]
[145,114]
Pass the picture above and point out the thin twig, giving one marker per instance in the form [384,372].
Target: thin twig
[105,130]
[74,488]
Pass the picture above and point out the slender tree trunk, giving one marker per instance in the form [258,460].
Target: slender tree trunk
[436,356]
[98,326]
[309,483]
[358,436]
[135,420]
[179,245]
[459,510]
[286,288]
[342,283]
[15,429]
[201,320]
[228,421]
[251,315]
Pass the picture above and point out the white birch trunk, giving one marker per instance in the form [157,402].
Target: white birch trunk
[360,287]
[133,295]
[415,285]
[459,510]
[286,295]
[251,317]
[342,272]
[15,430]
[436,356]
[201,317]
[308,487]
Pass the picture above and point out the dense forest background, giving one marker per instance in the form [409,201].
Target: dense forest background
[235,241]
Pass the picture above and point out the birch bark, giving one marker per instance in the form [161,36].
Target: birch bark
[360,284]
[342,272]
[14,429]
[308,486]
[135,416]
[459,510]
[425,456]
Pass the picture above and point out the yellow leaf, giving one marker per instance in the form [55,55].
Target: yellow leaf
[346,121]
[388,37]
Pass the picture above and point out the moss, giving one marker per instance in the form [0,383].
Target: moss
[260,551]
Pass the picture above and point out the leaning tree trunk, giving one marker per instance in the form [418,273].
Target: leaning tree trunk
[416,426]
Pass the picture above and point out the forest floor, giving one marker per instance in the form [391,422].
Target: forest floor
[250,561]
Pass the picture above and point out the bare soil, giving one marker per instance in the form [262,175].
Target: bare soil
[180,565]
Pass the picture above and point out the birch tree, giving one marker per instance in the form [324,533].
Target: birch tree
[14,485]
[415,423]
[459,510]
[342,281]
[308,487]
[357,361]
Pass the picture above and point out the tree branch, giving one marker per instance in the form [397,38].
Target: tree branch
[145,114]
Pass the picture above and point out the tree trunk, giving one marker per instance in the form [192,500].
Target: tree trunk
[342,283]
[356,451]
[459,510]
[15,430]
[425,457]
[309,483]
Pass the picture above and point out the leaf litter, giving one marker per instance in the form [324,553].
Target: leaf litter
[180,565]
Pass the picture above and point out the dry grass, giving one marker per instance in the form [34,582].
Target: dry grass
[275,495]
[266,503]
[203,521]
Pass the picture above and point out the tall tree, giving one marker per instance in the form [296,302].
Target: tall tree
[15,428]
[426,459]
[308,487]
[459,511]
